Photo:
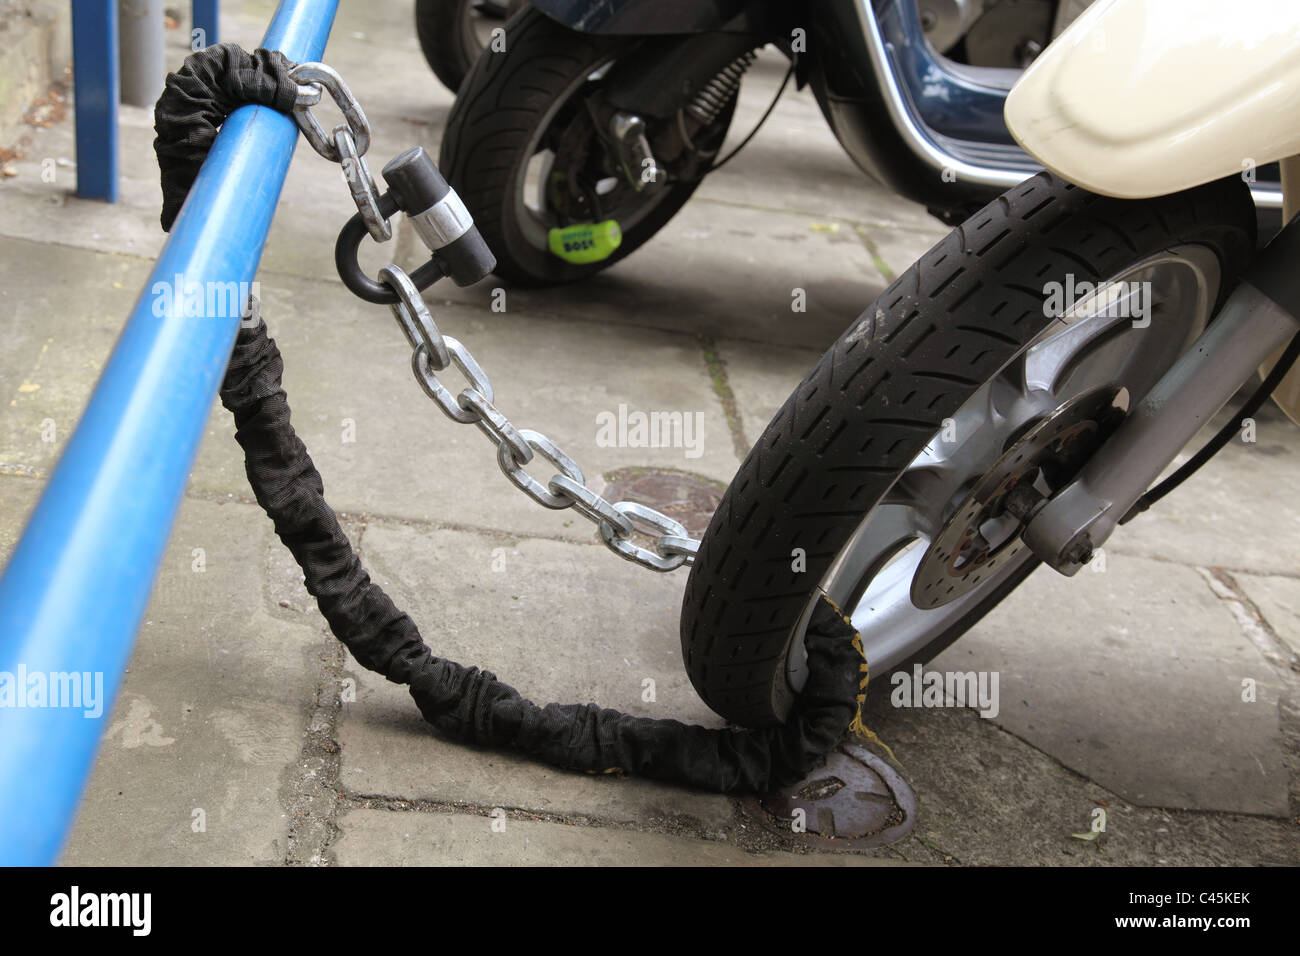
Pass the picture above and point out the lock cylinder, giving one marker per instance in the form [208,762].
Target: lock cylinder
[439,217]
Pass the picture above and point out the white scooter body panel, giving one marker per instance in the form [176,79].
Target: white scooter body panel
[1140,98]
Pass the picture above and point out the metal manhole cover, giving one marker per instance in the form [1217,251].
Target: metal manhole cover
[683,497]
[854,801]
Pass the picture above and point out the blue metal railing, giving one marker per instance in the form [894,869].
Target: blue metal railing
[78,582]
[97,84]
[204,16]
[95,92]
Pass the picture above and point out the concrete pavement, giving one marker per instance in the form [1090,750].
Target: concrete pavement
[245,735]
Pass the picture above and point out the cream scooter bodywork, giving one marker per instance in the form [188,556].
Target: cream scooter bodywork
[1146,97]
[1139,98]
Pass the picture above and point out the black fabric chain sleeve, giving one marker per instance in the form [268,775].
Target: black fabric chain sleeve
[464,703]
[212,84]
[471,705]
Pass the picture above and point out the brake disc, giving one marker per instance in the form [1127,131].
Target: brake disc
[984,530]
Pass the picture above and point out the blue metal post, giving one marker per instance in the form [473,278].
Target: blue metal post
[77,585]
[204,15]
[95,92]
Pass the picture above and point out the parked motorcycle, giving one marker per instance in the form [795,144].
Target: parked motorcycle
[585,135]
[1012,398]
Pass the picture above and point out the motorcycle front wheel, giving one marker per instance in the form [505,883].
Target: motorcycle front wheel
[885,479]
[522,151]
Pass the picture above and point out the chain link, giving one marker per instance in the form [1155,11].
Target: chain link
[618,523]
[346,144]
[318,77]
[496,426]
[414,319]
[427,376]
[668,529]
[514,470]
[361,184]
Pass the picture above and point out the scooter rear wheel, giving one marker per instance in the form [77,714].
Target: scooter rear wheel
[517,120]
[861,486]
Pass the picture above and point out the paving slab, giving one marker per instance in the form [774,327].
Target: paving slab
[1133,677]
[386,838]
[375,29]
[989,798]
[208,725]
[40,202]
[559,622]
[1238,511]
[761,379]
[18,496]
[602,625]
[752,262]
[894,250]
[384,448]
[55,341]
[1278,598]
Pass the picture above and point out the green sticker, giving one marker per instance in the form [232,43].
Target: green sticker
[587,242]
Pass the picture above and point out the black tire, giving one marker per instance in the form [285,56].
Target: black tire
[447,44]
[497,115]
[930,340]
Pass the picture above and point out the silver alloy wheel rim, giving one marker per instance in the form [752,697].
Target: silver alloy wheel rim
[1095,345]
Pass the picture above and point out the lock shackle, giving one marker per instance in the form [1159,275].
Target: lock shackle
[354,277]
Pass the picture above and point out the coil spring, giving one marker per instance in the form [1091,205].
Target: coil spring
[714,96]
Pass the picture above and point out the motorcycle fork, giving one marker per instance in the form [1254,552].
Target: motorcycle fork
[1258,318]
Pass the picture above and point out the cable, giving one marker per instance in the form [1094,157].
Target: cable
[762,119]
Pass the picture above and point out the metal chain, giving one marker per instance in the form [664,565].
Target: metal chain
[433,352]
